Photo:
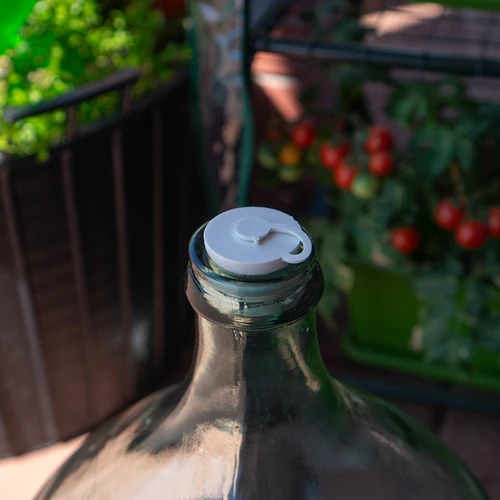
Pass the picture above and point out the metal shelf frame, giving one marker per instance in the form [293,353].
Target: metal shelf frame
[432,44]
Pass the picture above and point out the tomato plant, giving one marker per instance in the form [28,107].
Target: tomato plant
[429,209]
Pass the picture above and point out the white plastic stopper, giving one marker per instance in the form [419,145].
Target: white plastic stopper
[255,241]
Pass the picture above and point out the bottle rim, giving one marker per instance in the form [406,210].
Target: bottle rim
[251,302]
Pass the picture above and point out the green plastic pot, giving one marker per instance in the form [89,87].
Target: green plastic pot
[383,311]
[13,14]
[467,4]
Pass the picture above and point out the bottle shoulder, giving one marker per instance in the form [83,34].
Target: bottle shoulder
[165,448]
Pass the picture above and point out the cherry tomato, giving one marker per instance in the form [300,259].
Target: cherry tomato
[405,239]
[289,173]
[173,9]
[344,176]
[331,156]
[471,234]
[381,163]
[494,222]
[303,134]
[447,215]
[290,154]
[364,186]
[266,157]
[379,139]
[275,131]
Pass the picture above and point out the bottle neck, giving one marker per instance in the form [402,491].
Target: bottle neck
[261,376]
[257,356]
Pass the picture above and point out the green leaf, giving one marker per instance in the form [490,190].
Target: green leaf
[424,137]
[465,154]
[411,104]
[366,235]
[435,285]
[448,315]
[65,44]
[473,125]
[435,150]
[453,92]
[392,197]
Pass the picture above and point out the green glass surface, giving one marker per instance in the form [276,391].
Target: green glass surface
[258,416]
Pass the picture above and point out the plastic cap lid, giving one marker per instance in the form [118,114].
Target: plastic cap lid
[255,241]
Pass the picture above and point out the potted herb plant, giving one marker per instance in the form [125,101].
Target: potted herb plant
[64,44]
[93,109]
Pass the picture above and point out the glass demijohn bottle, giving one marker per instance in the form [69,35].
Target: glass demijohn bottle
[259,417]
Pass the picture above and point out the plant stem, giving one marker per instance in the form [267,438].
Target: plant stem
[459,187]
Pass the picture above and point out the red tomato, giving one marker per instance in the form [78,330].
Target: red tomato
[379,139]
[381,163]
[303,134]
[405,239]
[344,176]
[275,131]
[471,234]
[173,9]
[494,222]
[447,215]
[331,156]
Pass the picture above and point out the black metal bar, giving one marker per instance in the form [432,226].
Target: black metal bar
[158,242]
[27,308]
[269,16]
[123,256]
[78,265]
[141,105]
[485,404]
[383,57]
[487,41]
[117,81]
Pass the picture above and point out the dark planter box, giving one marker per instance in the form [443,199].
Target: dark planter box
[93,246]
[383,311]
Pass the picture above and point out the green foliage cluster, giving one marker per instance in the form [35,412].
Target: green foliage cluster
[452,155]
[68,43]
